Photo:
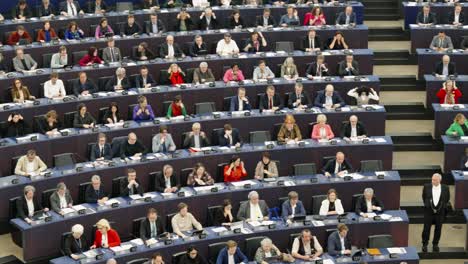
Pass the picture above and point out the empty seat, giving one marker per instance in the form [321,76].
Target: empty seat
[136,226]
[316,203]
[77,55]
[68,119]
[259,136]
[380,241]
[205,108]
[305,169]
[116,186]
[46,197]
[123,6]
[82,192]
[286,46]
[211,214]
[371,165]
[64,159]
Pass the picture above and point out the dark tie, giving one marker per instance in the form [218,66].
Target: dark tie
[112,55]
[425,19]
[78,241]
[102,152]
[97,193]
[270,103]
[164,147]
[72,7]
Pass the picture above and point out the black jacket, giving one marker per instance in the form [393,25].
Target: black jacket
[164,50]
[304,96]
[231,23]
[442,206]
[42,11]
[149,27]
[252,49]
[96,153]
[124,191]
[361,206]
[431,18]
[264,104]
[145,228]
[127,150]
[72,246]
[452,69]
[346,129]
[113,82]
[196,51]
[189,142]
[91,196]
[19,129]
[131,30]
[87,86]
[203,24]
[259,21]
[22,207]
[161,182]
[139,80]
[188,24]
[43,125]
[235,138]
[330,166]
[79,121]
[63,6]
[342,68]
[305,43]
[91,6]
[321,99]
[312,70]
[451,18]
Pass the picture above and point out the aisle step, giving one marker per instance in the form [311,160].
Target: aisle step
[415,142]
[393,57]
[417,175]
[400,83]
[407,111]
[415,211]
[381,17]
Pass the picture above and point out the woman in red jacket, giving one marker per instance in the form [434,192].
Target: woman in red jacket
[235,170]
[449,93]
[105,237]
[91,58]
[176,75]
[46,34]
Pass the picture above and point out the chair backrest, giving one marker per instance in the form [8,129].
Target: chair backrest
[251,245]
[326,159]
[152,180]
[46,197]
[328,232]
[89,147]
[102,112]
[64,159]
[14,160]
[69,85]
[64,238]
[276,129]
[177,256]
[82,192]
[46,60]
[184,173]
[92,30]
[116,143]
[164,77]
[215,133]
[77,55]
[205,108]
[36,120]
[136,223]
[220,172]
[130,111]
[116,186]
[380,241]
[169,222]
[68,119]
[286,46]
[138,261]
[213,251]
[316,203]
[291,239]
[211,214]
[281,200]
[189,75]
[354,200]
[259,136]
[102,82]
[166,105]
[305,169]
[13,209]
[371,165]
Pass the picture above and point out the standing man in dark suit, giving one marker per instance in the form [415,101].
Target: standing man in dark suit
[131,185]
[76,243]
[348,17]
[151,226]
[426,18]
[299,98]
[353,129]
[338,166]
[456,17]
[155,25]
[445,67]
[265,20]
[270,100]
[240,102]
[229,136]
[348,67]
[196,138]
[170,49]
[328,98]
[83,85]
[338,242]
[368,203]
[436,198]
[101,150]
[312,42]
[144,79]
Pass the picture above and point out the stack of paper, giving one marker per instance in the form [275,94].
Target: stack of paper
[386,216]
[137,241]
[111,201]
[318,223]
[68,211]
[219,229]
[90,253]
[242,183]
[380,140]
[396,250]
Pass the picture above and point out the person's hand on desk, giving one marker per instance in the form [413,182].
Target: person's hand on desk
[137,155]
[86,92]
[265,218]
[27,220]
[376,208]
[327,174]
[102,201]
[92,247]
[347,252]
[75,257]
[342,173]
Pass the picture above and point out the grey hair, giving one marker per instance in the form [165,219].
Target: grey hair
[251,194]
[369,191]
[95,178]
[29,188]
[61,186]
[266,241]
[437,175]
[120,70]
[203,64]
[77,229]
[196,125]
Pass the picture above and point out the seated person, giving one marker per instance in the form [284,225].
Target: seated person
[111,53]
[262,72]
[459,127]
[255,206]
[28,204]
[353,129]
[103,30]
[21,11]
[142,111]
[449,93]
[150,4]
[192,256]
[61,199]
[235,21]
[235,170]
[256,43]
[348,17]
[266,19]
[306,246]
[203,74]
[291,17]
[16,126]
[101,150]
[20,93]
[348,67]
[73,32]
[207,20]
[131,27]
[311,42]
[315,18]
[60,59]
[105,236]
[426,17]
[363,95]
[184,221]
[97,7]
[289,69]
[292,207]
[445,67]
[112,114]
[83,85]
[337,239]
[91,58]
[252,2]
[317,68]
[231,251]
[23,62]
[82,118]
[240,102]
[337,42]
[176,108]
[95,192]
[70,8]
[54,87]
[184,21]
[223,216]
[328,98]
[200,3]
[170,49]
[230,136]
[289,131]
[30,164]
[441,42]
[368,203]
[456,17]
[143,52]
[338,166]
[130,185]
[162,142]
[299,98]
[132,147]
[322,130]
[234,74]
[46,33]
[227,46]
[77,243]
[167,182]
[49,124]
[198,47]
[151,227]
[19,37]
[144,79]
[270,100]
[175,75]
[266,168]
[267,250]
[119,81]
[332,205]
[199,176]
[156,258]
[154,25]
[196,138]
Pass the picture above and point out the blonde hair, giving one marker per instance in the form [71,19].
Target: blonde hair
[459,117]
[322,118]
[103,223]
[289,119]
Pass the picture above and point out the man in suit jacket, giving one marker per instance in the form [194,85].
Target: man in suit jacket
[233,250]
[167,181]
[338,166]
[101,150]
[119,81]
[196,138]
[335,246]
[155,25]
[162,142]
[97,7]
[144,79]
[254,209]
[83,85]
[317,68]
[348,17]
[70,8]
[95,192]
[328,98]
[130,185]
[368,203]
[60,199]
[207,20]
[76,243]
[151,226]
[312,42]
[445,67]
[29,62]
[229,136]
[270,100]
[287,210]
[456,17]
[353,129]
[299,98]
[441,42]
[240,102]
[265,20]
[170,49]
[23,210]
[111,53]
[348,67]
[28,162]
[436,198]
[426,17]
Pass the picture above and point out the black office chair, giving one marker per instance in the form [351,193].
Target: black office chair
[64,238]
[92,30]
[102,82]
[220,171]
[45,197]
[326,159]
[164,77]
[317,203]
[130,111]
[177,256]
[304,169]
[251,245]
[77,55]
[286,46]
[215,133]
[371,165]
[69,85]
[136,223]
[64,159]
[292,237]
[82,192]
[46,58]
[12,205]
[36,123]
[380,241]
[211,214]
[205,108]
[259,136]
[213,251]
[120,27]
[116,185]
[184,173]
[152,180]
[328,232]
[281,200]
[189,75]
[89,147]
[259,98]
[226,103]
[354,200]
[14,160]
[166,105]
[68,119]
[116,143]
[276,129]
[138,261]
[102,112]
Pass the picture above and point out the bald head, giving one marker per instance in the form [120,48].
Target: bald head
[445,59]
[340,157]
[353,120]
[329,90]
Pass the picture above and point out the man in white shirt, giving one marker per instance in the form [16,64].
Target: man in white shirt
[54,87]
[338,242]
[338,166]
[227,46]
[368,203]
[196,138]
[254,209]
[306,246]
[70,8]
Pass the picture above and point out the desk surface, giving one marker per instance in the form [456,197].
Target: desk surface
[421,36]
[427,60]
[443,117]
[433,85]
[411,10]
